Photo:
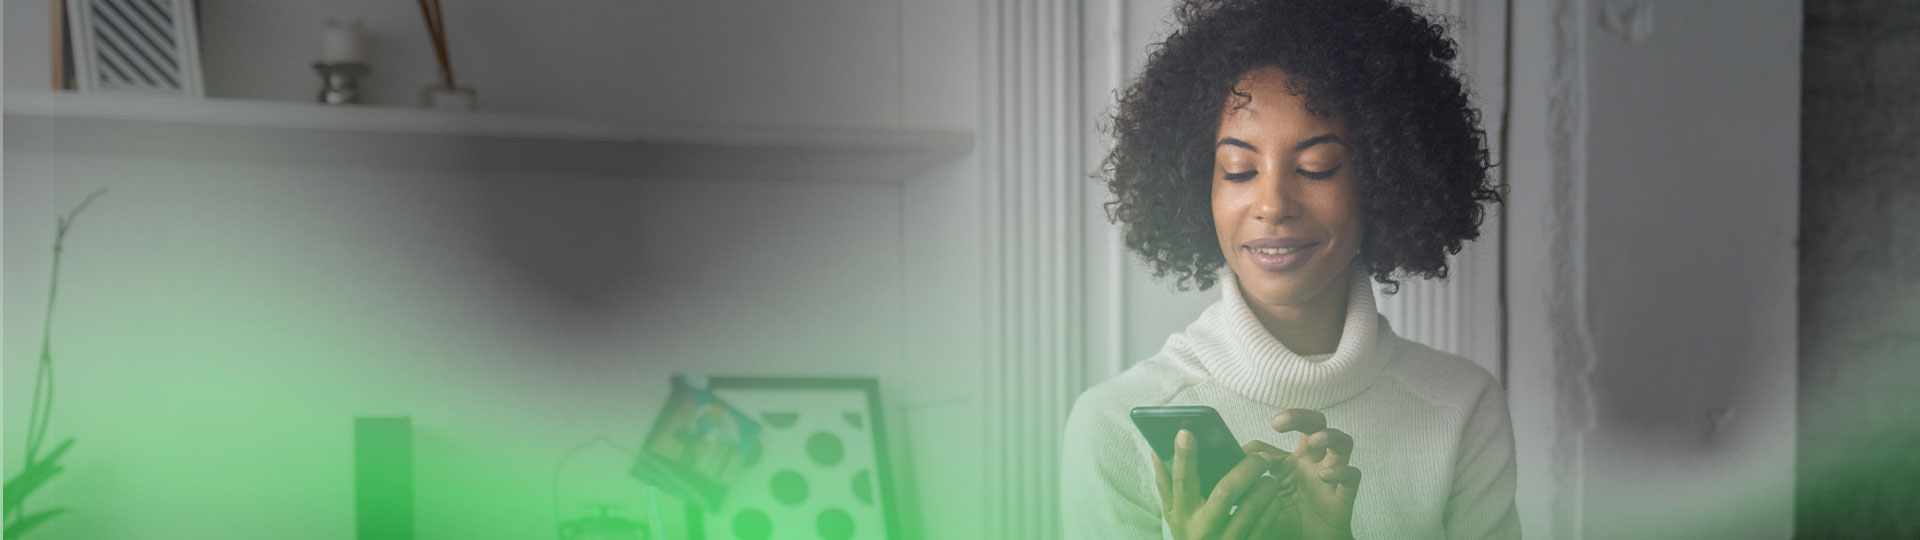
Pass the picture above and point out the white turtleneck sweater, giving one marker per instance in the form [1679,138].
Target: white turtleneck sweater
[1431,430]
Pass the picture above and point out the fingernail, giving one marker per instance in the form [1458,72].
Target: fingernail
[1184,439]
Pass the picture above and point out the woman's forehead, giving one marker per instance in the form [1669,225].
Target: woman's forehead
[1263,100]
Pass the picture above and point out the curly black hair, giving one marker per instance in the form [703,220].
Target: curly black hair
[1420,156]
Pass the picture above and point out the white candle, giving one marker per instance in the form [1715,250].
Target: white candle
[343,43]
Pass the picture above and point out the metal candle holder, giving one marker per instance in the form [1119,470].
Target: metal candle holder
[340,81]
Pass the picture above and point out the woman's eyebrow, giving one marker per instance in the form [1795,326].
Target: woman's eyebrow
[1230,141]
[1302,145]
[1327,138]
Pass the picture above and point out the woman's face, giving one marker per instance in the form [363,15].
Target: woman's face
[1284,201]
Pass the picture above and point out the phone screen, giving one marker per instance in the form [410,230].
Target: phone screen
[1218,450]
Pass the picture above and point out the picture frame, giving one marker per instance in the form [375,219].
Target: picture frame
[824,471]
[134,46]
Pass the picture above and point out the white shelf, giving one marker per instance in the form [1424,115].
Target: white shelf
[362,136]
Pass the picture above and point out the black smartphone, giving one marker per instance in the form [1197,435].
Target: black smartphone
[1218,450]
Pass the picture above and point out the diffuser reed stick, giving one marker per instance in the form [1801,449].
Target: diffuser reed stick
[437,31]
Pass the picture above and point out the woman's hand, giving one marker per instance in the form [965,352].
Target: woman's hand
[1258,498]
[1315,475]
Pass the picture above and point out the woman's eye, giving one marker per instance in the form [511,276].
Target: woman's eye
[1240,176]
[1319,175]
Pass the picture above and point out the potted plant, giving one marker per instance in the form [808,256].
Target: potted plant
[41,468]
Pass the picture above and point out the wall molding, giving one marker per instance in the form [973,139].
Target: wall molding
[1550,340]
[1573,351]
[1031,148]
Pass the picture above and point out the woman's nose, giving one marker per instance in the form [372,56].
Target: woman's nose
[1275,202]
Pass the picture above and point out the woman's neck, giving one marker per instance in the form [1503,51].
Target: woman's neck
[1310,328]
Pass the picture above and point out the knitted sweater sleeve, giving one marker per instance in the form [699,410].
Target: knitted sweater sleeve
[1481,504]
[1106,479]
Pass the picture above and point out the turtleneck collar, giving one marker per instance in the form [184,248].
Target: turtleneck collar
[1231,345]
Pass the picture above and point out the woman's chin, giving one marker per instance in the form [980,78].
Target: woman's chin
[1292,290]
[1272,291]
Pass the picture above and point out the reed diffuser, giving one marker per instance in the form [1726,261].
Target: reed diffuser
[445,94]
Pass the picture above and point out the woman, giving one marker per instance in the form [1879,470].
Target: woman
[1295,151]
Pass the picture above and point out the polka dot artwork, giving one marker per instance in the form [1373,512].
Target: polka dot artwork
[752,525]
[825,449]
[789,487]
[818,476]
[835,525]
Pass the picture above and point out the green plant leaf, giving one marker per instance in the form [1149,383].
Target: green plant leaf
[28,480]
[19,527]
[59,450]
[34,475]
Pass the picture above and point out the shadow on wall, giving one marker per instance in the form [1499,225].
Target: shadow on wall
[580,242]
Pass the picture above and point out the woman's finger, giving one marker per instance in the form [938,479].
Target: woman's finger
[1342,475]
[1273,517]
[1331,439]
[1334,457]
[1286,478]
[1275,456]
[1251,507]
[1272,453]
[1228,492]
[1186,484]
[1162,483]
[1348,486]
[1304,421]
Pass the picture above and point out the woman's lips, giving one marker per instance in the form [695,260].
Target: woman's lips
[1280,259]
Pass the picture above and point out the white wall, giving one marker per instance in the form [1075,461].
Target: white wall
[221,323]
[1650,274]
[1692,203]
